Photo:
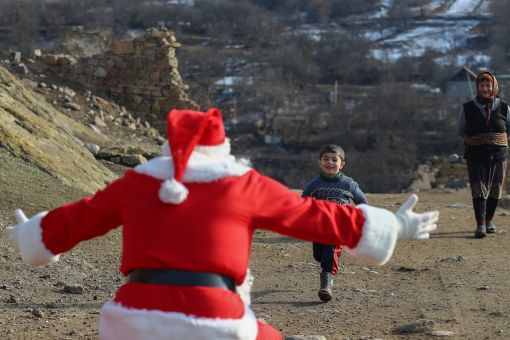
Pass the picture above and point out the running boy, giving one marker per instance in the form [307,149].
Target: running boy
[331,185]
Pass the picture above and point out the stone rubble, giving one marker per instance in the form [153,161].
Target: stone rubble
[140,73]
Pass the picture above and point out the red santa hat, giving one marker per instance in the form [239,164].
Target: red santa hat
[187,129]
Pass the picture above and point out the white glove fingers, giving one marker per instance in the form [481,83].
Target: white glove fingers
[409,203]
[429,227]
[429,217]
[422,236]
[424,232]
[20,216]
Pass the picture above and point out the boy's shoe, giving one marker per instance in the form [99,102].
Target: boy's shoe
[326,291]
[481,231]
[491,228]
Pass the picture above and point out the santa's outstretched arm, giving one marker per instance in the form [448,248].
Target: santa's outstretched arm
[26,239]
[382,228]
[40,239]
[368,232]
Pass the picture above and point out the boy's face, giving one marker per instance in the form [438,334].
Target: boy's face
[485,89]
[330,163]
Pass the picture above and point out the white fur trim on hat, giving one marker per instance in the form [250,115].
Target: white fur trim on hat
[172,191]
[206,164]
[201,168]
[121,323]
[378,236]
[213,151]
[31,246]
[221,150]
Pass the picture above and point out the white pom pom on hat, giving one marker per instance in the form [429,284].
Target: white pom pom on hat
[173,192]
[185,130]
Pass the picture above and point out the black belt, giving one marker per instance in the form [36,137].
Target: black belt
[181,278]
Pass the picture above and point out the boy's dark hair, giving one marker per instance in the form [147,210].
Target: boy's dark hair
[332,148]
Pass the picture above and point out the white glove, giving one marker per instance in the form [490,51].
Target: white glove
[415,226]
[14,230]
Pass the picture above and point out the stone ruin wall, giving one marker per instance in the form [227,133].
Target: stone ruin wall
[140,74]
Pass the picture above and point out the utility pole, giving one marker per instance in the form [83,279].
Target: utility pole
[234,118]
[470,85]
[335,94]
[471,73]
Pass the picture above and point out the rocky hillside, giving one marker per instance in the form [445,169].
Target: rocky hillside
[34,130]
[78,138]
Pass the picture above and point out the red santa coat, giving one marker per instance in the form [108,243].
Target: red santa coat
[211,231]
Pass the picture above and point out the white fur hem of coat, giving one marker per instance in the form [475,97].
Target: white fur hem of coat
[378,236]
[31,246]
[121,323]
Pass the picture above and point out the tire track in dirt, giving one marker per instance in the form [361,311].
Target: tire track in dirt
[439,301]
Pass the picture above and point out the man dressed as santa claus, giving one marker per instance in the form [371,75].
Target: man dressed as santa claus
[188,219]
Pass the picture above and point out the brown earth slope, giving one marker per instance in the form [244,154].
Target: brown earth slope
[33,129]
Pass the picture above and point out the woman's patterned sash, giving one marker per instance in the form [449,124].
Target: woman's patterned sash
[489,138]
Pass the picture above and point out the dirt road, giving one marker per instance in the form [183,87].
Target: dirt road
[453,284]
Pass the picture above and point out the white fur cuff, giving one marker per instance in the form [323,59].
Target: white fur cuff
[378,236]
[31,247]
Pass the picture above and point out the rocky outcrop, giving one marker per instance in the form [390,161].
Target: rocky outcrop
[140,74]
[441,173]
[32,129]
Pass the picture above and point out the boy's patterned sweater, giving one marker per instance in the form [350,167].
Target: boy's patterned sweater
[341,189]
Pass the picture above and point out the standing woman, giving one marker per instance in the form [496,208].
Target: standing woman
[484,124]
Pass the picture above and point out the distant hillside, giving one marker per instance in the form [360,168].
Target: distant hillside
[290,76]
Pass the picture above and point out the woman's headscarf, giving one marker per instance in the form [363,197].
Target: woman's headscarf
[487,76]
[487,102]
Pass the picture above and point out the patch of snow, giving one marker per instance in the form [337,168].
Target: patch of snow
[434,5]
[437,36]
[386,55]
[375,35]
[425,88]
[467,7]
[313,33]
[171,2]
[383,11]
[447,31]
[351,104]
[235,46]
[481,60]
[233,81]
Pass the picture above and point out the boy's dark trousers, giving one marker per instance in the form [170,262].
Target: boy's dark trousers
[327,255]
